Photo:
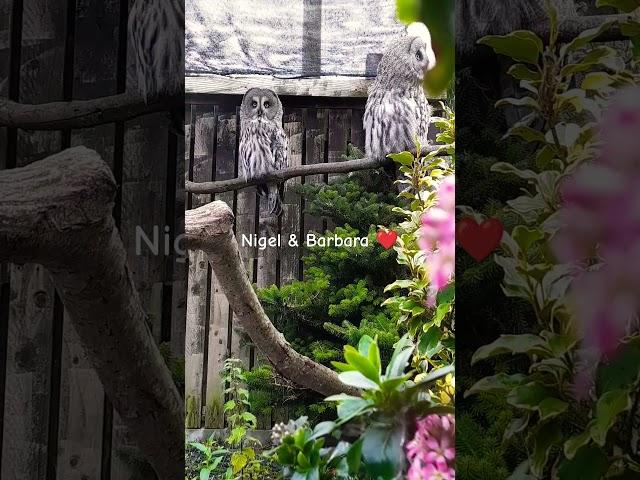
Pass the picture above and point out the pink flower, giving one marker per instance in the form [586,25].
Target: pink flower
[601,234]
[432,452]
[438,237]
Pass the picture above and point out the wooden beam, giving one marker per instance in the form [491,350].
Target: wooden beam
[329,86]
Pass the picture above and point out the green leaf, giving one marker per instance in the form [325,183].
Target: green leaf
[374,359]
[596,81]
[496,383]
[322,429]
[399,284]
[343,367]
[518,45]
[597,56]
[586,37]
[358,380]
[351,407]
[238,462]
[382,450]
[516,425]
[572,445]
[590,463]
[536,397]
[621,371]
[525,236]
[527,134]
[544,437]
[609,406]
[362,364]
[403,158]
[400,358]
[429,342]
[521,72]
[363,345]
[626,6]
[204,474]
[354,457]
[518,102]
[513,344]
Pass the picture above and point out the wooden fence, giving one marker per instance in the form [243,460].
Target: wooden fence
[55,421]
[319,130]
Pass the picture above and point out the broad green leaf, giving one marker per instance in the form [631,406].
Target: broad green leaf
[626,6]
[437,374]
[348,409]
[609,406]
[513,344]
[429,342]
[521,72]
[238,462]
[533,396]
[343,367]
[354,457]
[518,102]
[520,48]
[374,359]
[362,364]
[358,380]
[403,158]
[597,56]
[364,344]
[576,442]
[496,383]
[382,450]
[507,168]
[544,437]
[590,463]
[400,359]
[516,425]
[399,284]
[596,81]
[525,236]
[586,37]
[527,134]
[205,473]
[322,429]
[621,371]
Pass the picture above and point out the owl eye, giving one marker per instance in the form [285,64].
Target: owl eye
[254,104]
[267,104]
[419,55]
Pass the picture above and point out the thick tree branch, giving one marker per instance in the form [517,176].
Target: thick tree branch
[57,212]
[346,166]
[210,228]
[80,113]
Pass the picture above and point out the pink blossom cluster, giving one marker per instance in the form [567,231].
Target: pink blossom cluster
[438,238]
[601,231]
[432,451]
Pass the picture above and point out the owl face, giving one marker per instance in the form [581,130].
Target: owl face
[421,55]
[261,103]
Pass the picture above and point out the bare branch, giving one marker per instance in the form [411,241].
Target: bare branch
[80,113]
[346,166]
[210,228]
[58,212]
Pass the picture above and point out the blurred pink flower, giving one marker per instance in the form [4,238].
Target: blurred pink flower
[438,237]
[601,223]
[432,452]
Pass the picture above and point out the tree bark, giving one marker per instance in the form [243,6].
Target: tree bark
[58,212]
[80,113]
[210,228]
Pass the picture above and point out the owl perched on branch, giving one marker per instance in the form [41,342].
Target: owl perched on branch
[263,143]
[397,110]
[156,31]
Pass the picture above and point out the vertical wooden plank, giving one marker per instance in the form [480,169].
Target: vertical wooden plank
[28,411]
[290,220]
[219,320]
[203,131]
[245,224]
[26,415]
[316,122]
[339,127]
[357,134]
[82,395]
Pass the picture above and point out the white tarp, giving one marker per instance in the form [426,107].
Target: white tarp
[288,38]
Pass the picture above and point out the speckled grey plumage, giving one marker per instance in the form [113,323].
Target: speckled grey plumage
[397,111]
[156,30]
[263,143]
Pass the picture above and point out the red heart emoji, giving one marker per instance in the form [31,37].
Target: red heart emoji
[386,238]
[479,240]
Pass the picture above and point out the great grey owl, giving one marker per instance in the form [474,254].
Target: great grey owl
[156,30]
[263,143]
[397,110]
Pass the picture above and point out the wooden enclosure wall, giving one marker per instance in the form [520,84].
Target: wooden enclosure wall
[319,130]
[55,421]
